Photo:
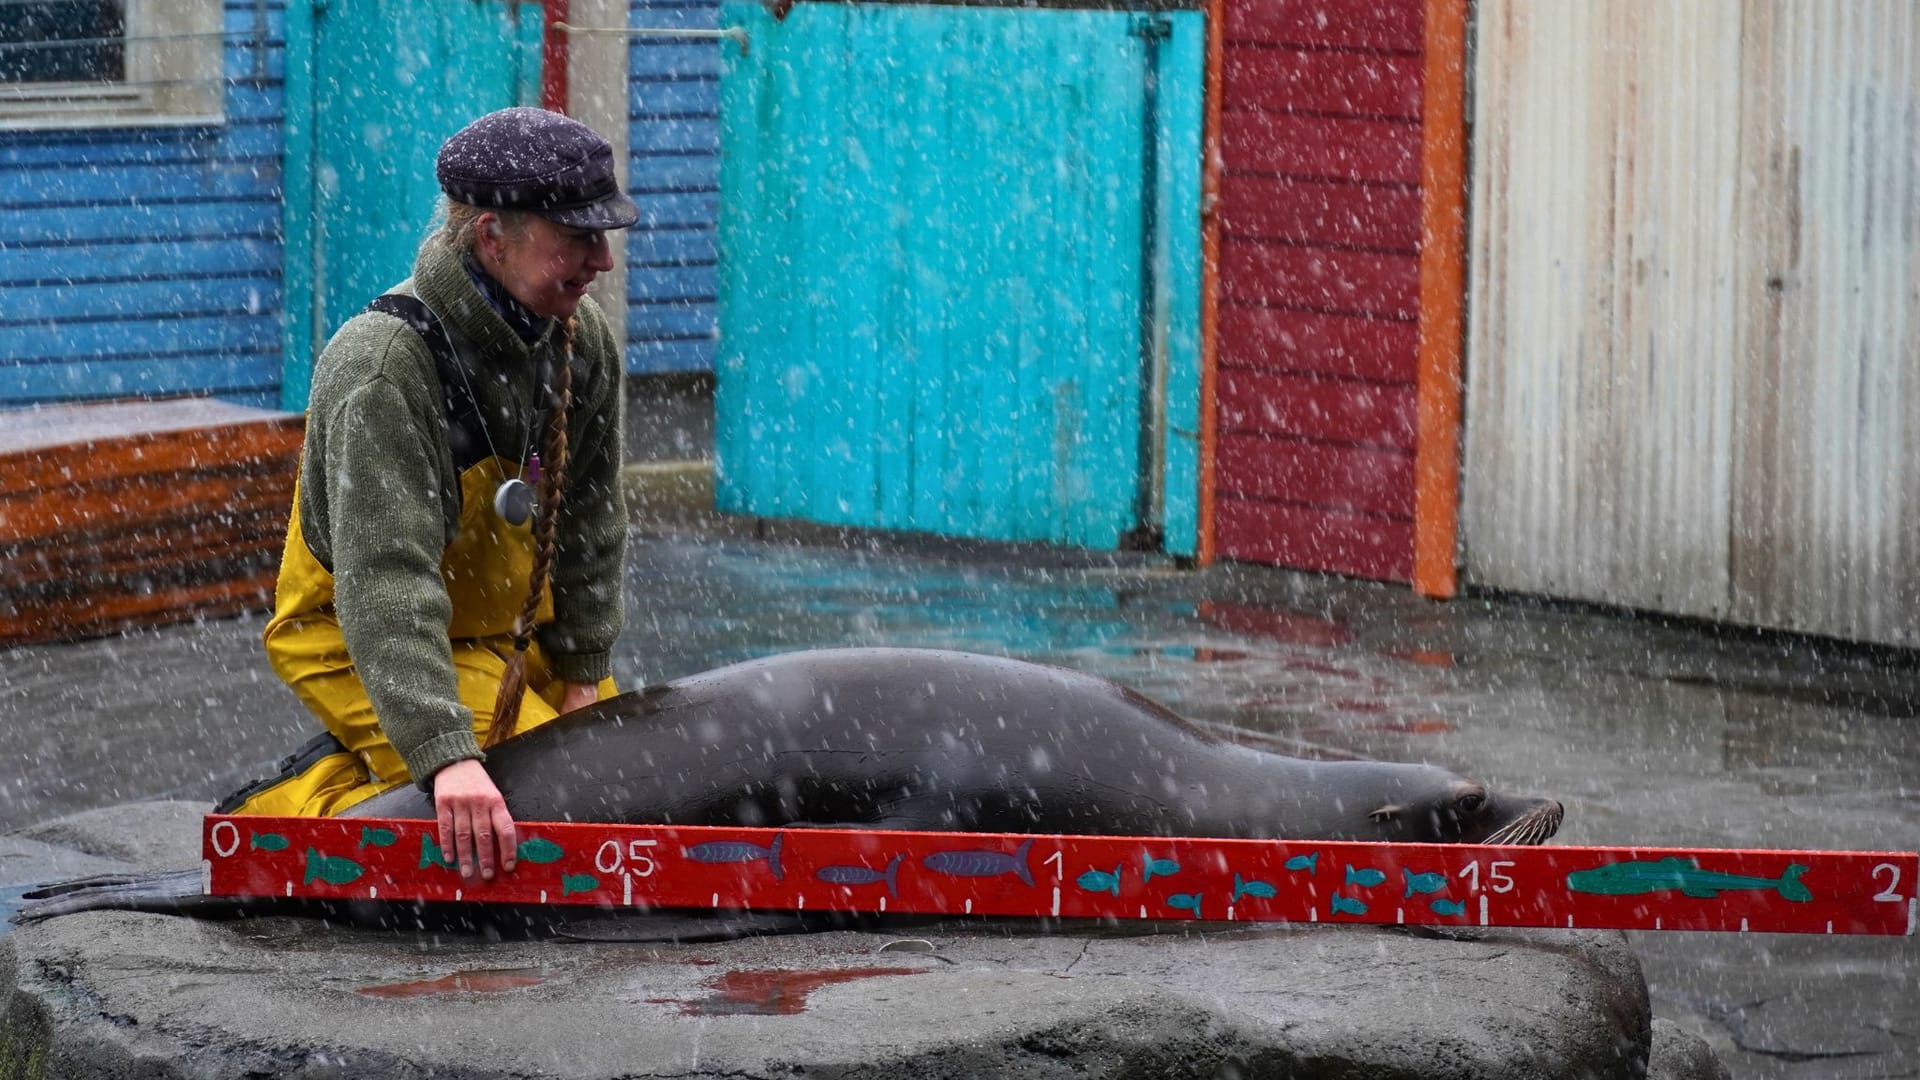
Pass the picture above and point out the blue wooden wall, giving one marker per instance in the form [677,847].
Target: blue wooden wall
[146,261]
[933,274]
[673,110]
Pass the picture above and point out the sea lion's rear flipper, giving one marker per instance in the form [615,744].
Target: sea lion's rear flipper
[172,892]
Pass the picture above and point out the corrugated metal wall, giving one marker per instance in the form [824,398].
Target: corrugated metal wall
[1694,344]
[1319,282]
[674,174]
[146,260]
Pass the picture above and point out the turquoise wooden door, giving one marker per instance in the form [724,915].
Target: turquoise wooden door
[959,287]
[374,87]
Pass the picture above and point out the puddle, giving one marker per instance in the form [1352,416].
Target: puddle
[769,993]
[1278,624]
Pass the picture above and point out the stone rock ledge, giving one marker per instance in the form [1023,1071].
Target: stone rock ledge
[112,994]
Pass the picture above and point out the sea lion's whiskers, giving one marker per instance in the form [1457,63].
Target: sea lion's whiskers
[1531,828]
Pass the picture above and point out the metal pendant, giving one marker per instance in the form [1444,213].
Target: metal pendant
[513,501]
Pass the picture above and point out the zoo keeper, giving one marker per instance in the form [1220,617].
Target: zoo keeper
[458,528]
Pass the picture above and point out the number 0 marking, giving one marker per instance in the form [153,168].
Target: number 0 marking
[1890,894]
[232,845]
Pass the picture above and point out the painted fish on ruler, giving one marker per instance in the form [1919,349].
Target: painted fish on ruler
[1258,889]
[740,851]
[852,876]
[982,862]
[331,869]
[1685,877]
[1101,881]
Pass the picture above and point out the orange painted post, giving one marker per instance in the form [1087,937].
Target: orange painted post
[1210,277]
[1443,197]
[1079,877]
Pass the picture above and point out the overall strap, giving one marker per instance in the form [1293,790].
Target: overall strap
[466,438]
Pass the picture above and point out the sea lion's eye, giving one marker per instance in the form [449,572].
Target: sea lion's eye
[1471,802]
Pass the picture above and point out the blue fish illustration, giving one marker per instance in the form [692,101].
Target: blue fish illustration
[979,862]
[1423,883]
[431,855]
[1101,881]
[577,883]
[1185,902]
[1344,906]
[1250,888]
[1365,879]
[1685,876]
[1162,867]
[331,869]
[268,841]
[539,851]
[863,875]
[372,837]
[740,851]
[1304,862]
[1448,907]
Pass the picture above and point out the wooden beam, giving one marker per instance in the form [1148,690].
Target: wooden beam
[1079,877]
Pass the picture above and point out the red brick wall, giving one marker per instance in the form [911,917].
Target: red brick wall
[1319,284]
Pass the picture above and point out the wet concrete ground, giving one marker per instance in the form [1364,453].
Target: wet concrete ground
[1650,733]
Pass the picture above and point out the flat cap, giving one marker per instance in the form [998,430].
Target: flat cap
[532,159]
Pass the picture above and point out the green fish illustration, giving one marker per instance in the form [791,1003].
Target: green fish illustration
[1365,879]
[539,851]
[1185,902]
[372,837]
[1251,888]
[268,841]
[1162,867]
[1100,881]
[1683,876]
[578,883]
[1347,906]
[331,869]
[1423,883]
[1448,907]
[1303,862]
[431,855]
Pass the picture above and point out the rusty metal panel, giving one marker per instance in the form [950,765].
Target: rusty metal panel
[1692,341]
[1827,513]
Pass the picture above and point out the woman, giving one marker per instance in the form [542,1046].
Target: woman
[458,529]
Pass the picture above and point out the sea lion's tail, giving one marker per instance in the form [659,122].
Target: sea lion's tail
[172,892]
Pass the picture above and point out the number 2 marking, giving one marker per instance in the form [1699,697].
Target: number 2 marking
[1890,894]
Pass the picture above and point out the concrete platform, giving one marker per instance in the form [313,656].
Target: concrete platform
[113,994]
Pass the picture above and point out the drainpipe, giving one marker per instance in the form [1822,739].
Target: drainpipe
[553,58]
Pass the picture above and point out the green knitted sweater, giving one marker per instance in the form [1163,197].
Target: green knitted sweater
[380,500]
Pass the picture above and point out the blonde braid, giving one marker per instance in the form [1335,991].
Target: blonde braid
[553,480]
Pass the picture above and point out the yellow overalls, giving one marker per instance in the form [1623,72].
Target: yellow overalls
[486,570]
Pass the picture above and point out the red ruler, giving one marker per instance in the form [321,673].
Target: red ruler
[1082,877]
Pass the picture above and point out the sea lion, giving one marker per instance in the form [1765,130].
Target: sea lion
[912,739]
[936,740]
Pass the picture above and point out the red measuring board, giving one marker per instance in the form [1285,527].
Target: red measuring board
[1082,877]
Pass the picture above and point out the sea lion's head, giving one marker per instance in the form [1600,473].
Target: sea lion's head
[1422,804]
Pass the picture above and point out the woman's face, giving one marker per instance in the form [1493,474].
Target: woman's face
[545,265]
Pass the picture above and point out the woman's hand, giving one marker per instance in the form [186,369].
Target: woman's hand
[474,823]
[578,695]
